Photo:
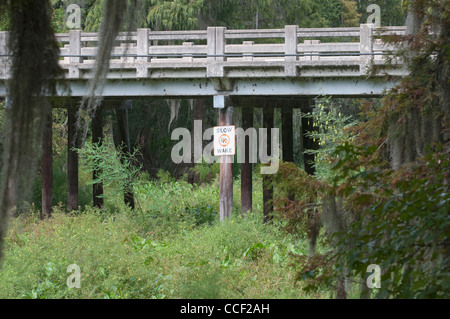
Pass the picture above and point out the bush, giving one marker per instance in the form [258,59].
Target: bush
[152,253]
[39,252]
[116,171]
[202,215]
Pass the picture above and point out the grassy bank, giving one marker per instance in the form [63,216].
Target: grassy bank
[172,246]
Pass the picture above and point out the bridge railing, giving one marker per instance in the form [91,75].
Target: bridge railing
[219,52]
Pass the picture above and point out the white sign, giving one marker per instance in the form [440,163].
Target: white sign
[224,140]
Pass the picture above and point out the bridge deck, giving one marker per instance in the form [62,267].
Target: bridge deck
[289,61]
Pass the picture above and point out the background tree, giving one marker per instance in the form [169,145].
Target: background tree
[389,200]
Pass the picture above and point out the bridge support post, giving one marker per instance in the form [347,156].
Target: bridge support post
[97,137]
[125,145]
[287,132]
[246,165]
[47,168]
[226,169]
[268,120]
[297,131]
[308,143]
[198,106]
[72,159]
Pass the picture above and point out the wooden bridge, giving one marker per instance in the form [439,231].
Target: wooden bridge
[283,68]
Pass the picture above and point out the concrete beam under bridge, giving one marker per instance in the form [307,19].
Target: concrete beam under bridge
[338,87]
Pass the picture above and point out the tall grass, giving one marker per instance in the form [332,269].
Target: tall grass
[171,246]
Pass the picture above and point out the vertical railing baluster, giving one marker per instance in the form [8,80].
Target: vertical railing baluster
[3,52]
[75,52]
[216,51]
[290,49]
[310,55]
[366,47]
[143,49]
[248,57]
[188,59]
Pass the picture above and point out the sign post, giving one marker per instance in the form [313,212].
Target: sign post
[224,146]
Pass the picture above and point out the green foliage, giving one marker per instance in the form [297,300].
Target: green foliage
[34,56]
[206,172]
[173,15]
[116,170]
[59,17]
[45,286]
[231,250]
[349,16]
[332,130]
[297,199]
[255,251]
[162,216]
[202,215]
[60,185]
[407,224]
[93,18]
[4,19]
[194,14]
[331,11]
[121,257]
[395,207]
[39,252]
[165,177]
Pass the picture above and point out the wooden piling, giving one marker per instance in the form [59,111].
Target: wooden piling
[287,132]
[246,166]
[198,106]
[124,140]
[72,159]
[46,168]
[226,170]
[268,120]
[308,144]
[97,137]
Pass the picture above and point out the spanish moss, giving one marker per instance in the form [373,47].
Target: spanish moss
[112,24]
[34,70]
